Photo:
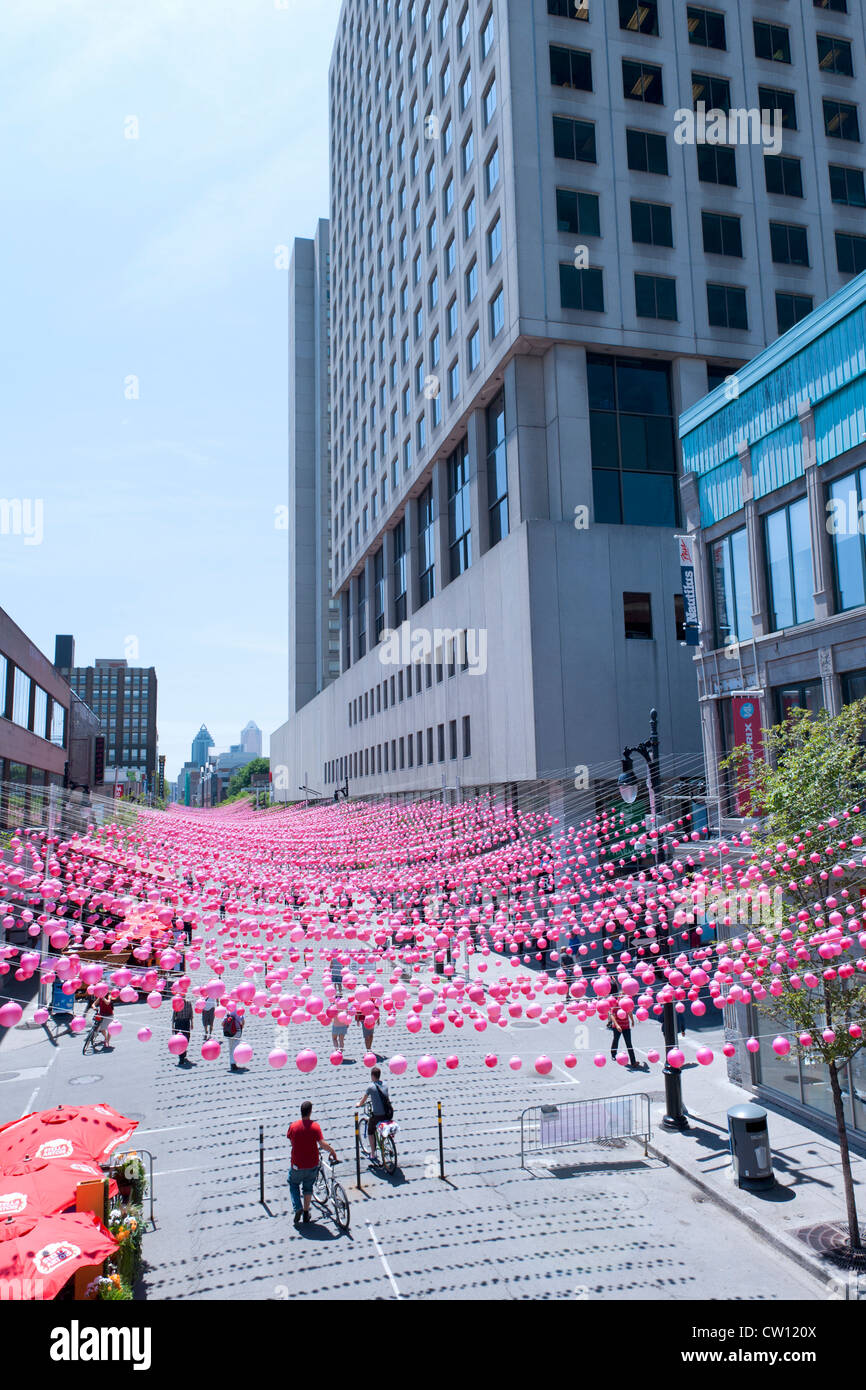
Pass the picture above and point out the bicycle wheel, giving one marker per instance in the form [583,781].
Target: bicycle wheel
[389,1154]
[341,1207]
[88,1043]
[320,1188]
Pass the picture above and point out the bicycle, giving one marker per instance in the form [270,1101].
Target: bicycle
[386,1148]
[90,1042]
[327,1193]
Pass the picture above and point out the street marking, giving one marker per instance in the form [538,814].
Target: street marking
[166,1129]
[385,1265]
[166,1172]
[28,1107]
[25,1074]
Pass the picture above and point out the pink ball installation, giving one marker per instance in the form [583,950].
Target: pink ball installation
[427,1066]
[306,1061]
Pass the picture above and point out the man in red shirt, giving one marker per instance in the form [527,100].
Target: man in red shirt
[305,1137]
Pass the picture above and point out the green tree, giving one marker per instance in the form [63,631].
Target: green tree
[807,794]
[241,779]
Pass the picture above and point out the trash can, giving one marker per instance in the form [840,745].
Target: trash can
[750,1145]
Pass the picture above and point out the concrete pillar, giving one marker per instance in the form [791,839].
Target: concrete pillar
[477,441]
[688,382]
[831,683]
[516,512]
[822,557]
[761,619]
[528,417]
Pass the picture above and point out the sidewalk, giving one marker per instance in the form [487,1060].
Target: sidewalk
[803,1213]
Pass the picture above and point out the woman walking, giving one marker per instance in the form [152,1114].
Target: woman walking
[207,1017]
[619,1022]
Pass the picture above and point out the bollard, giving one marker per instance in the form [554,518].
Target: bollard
[262,1164]
[441,1148]
[357,1151]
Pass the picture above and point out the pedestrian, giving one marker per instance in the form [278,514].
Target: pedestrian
[619,1023]
[183,1024]
[381,1109]
[306,1138]
[339,1028]
[233,1027]
[337,974]
[104,1016]
[368,1016]
[207,1017]
[187,931]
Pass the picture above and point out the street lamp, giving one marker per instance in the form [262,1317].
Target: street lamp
[675,1116]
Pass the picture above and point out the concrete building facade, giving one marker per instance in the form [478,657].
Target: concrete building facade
[124,699]
[532,273]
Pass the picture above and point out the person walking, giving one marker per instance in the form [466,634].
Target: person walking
[306,1139]
[207,1017]
[368,1017]
[233,1027]
[381,1110]
[183,1024]
[339,1028]
[619,1022]
[104,1016]
[337,974]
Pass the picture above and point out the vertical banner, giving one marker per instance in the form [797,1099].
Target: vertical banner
[691,621]
[746,712]
[161,784]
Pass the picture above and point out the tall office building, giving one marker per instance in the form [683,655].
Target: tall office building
[538,261]
[201,746]
[124,698]
[314,616]
[251,740]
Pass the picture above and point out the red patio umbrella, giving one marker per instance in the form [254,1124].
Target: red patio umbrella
[37,1257]
[43,1189]
[67,1131]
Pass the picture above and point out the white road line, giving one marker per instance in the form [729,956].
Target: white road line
[29,1106]
[167,1129]
[166,1172]
[385,1265]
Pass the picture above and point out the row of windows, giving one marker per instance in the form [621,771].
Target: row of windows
[392,691]
[25,703]
[705,27]
[443,742]
[656,295]
[787,549]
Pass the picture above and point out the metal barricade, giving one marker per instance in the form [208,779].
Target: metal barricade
[115,1161]
[575,1122]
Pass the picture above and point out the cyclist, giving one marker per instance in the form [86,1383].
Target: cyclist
[104,1015]
[306,1138]
[377,1096]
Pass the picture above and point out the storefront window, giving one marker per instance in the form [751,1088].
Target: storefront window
[808,695]
[732,588]
[789,565]
[846,497]
[853,687]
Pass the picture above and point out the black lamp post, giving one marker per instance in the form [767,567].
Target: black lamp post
[674,1117]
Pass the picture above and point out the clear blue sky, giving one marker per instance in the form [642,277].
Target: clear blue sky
[155,258]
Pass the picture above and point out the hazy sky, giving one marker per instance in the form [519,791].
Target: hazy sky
[148,265]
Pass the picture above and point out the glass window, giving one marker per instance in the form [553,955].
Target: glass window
[637,609]
[789,565]
[399,573]
[574,139]
[489,103]
[632,441]
[473,348]
[21,698]
[808,695]
[494,242]
[40,712]
[491,172]
[426,550]
[459,521]
[847,186]
[834,55]
[789,244]
[361,611]
[732,589]
[581,289]
[783,174]
[639,16]
[853,687]
[717,164]
[655,297]
[722,234]
[378,593]
[488,34]
[850,253]
[840,120]
[58,724]
[772,99]
[642,82]
[577,213]
[791,308]
[647,152]
[651,223]
[772,42]
[570,67]
[726,306]
[467,153]
[714,92]
[497,472]
[497,313]
[846,521]
[706,27]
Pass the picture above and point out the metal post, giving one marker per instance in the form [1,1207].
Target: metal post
[441,1146]
[357,1151]
[262,1164]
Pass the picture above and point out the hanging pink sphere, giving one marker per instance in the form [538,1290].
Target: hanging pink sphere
[10,1014]
[805,1040]
[427,1066]
[114,1027]
[41,1016]
[336,1059]
[676,1058]
[243,1054]
[452,1063]
[729,1049]
[78,1025]
[491,1059]
[781,1046]
[652,1055]
[543,1065]
[570,1061]
[515,1063]
[306,1061]
[705,1056]
[144,1035]
[397,1065]
[277,1058]
[210,1050]
[154,999]
[369,1059]
[178,1044]
[855,1030]
[753,1045]
[599,1060]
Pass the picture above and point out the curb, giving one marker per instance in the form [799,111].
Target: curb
[810,1263]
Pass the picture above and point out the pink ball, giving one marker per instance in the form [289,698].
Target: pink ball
[676,1058]
[210,1050]
[753,1045]
[570,1061]
[115,1027]
[543,1065]
[10,1014]
[178,1044]
[705,1056]
[781,1046]
[154,999]
[599,1060]
[277,1058]
[397,1065]
[452,1063]
[78,1025]
[243,1054]
[515,1063]
[652,1055]
[427,1066]
[491,1059]
[729,1049]
[369,1059]
[41,1016]
[307,1060]
[144,1035]
[336,1059]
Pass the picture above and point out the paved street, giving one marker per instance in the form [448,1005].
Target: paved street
[592,1223]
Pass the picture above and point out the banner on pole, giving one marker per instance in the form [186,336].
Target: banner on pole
[691,620]
[748,733]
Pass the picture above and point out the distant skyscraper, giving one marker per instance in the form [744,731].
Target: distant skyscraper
[251,740]
[124,698]
[200,746]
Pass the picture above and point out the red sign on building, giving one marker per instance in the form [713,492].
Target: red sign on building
[746,711]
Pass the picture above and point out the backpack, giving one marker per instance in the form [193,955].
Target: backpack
[230,1026]
[386,1102]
